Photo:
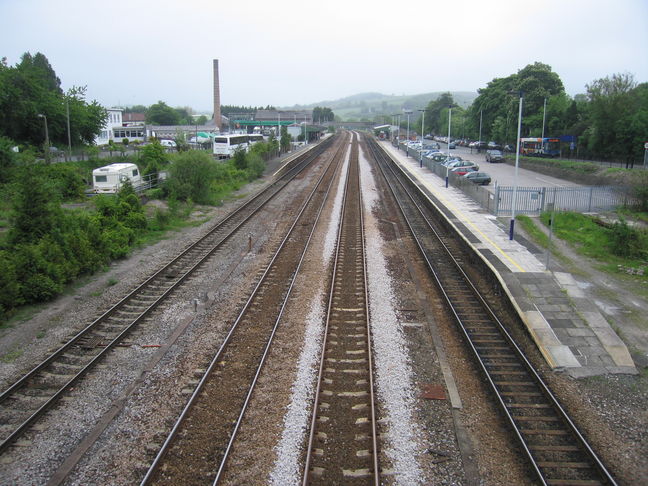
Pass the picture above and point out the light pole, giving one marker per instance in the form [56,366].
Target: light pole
[449,124]
[517,162]
[67,113]
[408,113]
[544,115]
[47,150]
[480,127]
[397,115]
[422,134]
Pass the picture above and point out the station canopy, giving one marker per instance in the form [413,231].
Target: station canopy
[259,123]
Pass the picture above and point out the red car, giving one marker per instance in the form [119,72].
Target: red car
[464,170]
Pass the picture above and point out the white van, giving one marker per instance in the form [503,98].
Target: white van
[168,143]
[109,179]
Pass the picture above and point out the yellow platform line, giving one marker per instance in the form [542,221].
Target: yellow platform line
[467,221]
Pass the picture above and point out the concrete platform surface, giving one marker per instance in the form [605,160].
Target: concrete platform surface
[569,331]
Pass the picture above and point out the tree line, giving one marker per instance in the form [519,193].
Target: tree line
[609,121]
[31,88]
[51,233]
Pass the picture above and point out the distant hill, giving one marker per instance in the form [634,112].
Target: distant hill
[371,105]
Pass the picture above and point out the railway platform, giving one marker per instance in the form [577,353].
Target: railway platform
[570,332]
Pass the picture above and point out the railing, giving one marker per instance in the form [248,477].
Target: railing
[535,200]
[150,181]
[532,200]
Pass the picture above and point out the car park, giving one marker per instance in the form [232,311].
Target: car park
[494,156]
[478,178]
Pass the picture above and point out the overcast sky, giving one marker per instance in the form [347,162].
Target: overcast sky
[285,52]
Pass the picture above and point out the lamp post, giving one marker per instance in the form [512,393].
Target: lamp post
[480,127]
[47,144]
[449,124]
[408,113]
[544,116]
[397,115]
[67,113]
[422,133]
[517,162]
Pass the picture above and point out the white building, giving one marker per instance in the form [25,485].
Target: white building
[114,120]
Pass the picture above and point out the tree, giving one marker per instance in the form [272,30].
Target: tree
[434,122]
[36,209]
[614,102]
[7,158]
[153,157]
[284,142]
[498,101]
[191,176]
[31,88]
[322,114]
[162,114]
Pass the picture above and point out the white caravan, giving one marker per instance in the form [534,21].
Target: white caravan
[109,179]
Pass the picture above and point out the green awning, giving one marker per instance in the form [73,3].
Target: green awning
[259,123]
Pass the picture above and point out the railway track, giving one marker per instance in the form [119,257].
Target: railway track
[556,450]
[198,446]
[342,446]
[24,402]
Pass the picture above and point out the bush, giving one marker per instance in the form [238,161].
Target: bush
[191,175]
[255,166]
[625,241]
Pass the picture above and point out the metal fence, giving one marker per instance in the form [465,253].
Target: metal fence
[532,200]
[535,200]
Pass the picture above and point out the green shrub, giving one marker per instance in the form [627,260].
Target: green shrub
[255,166]
[625,241]
[191,174]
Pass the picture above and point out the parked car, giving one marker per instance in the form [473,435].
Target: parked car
[494,156]
[478,178]
[494,146]
[460,163]
[463,170]
[480,146]
[452,145]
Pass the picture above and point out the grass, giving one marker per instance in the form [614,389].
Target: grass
[538,236]
[541,239]
[11,356]
[595,241]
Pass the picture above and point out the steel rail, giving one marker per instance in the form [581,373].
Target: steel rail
[149,478]
[268,193]
[352,197]
[540,470]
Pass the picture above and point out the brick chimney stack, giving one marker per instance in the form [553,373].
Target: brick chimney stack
[217,103]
